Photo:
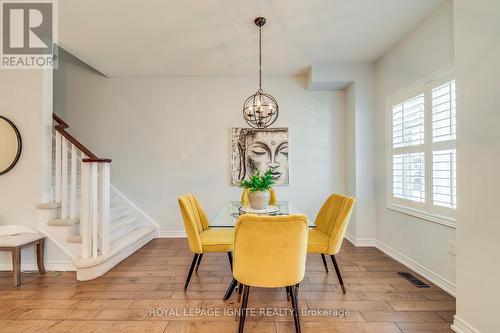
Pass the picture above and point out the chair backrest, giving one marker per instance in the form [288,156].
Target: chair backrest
[272,197]
[270,251]
[195,220]
[333,217]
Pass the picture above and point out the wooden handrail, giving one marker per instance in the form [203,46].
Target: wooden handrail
[61,128]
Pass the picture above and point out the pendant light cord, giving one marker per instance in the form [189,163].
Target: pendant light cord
[260,58]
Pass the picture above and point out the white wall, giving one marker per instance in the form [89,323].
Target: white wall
[425,50]
[350,116]
[357,81]
[477,49]
[25,186]
[146,125]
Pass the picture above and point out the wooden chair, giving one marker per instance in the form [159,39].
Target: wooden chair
[14,244]
[331,225]
[269,252]
[201,237]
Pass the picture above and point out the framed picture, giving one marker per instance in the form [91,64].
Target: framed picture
[10,145]
[259,149]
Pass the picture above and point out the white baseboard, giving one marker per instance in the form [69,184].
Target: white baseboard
[461,326]
[173,234]
[437,279]
[52,266]
[433,277]
[360,242]
[89,269]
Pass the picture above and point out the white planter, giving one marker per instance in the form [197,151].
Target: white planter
[258,199]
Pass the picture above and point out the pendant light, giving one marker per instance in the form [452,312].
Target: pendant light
[260,110]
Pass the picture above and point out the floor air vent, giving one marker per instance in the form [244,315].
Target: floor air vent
[413,280]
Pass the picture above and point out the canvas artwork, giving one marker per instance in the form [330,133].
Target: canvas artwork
[259,149]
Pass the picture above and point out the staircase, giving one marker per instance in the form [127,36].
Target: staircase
[89,219]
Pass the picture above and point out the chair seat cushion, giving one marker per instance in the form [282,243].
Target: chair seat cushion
[19,239]
[317,241]
[217,240]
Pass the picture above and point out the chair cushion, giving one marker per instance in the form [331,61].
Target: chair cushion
[332,219]
[19,239]
[317,241]
[270,251]
[217,240]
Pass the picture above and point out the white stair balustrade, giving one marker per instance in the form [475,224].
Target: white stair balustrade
[73,189]
[101,229]
[95,208]
[64,179]
[58,159]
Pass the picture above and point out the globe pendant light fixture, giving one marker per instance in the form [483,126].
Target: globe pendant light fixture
[260,110]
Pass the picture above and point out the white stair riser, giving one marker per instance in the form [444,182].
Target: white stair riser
[64,222]
[74,239]
[117,234]
[123,222]
[119,212]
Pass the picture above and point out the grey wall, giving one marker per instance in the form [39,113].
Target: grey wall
[26,185]
[425,50]
[477,49]
[170,136]
[61,76]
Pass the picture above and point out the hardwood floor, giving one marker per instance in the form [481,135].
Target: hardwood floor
[145,293]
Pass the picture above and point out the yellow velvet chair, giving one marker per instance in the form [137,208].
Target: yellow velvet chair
[269,252]
[201,238]
[272,197]
[331,225]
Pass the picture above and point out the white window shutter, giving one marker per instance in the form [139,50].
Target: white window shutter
[422,142]
[444,119]
[444,178]
[409,176]
[408,122]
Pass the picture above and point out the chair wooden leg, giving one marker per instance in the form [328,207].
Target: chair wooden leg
[324,262]
[296,310]
[288,293]
[199,262]
[230,257]
[240,290]
[195,258]
[16,265]
[337,270]
[243,312]
[230,290]
[40,250]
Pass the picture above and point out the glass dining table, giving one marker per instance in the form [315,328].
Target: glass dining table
[228,215]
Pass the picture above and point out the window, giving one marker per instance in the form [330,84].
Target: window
[422,151]
[444,156]
[444,178]
[408,176]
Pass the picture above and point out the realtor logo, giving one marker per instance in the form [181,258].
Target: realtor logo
[28,34]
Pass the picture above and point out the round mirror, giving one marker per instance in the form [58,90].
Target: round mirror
[10,145]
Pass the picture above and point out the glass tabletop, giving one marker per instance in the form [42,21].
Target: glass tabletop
[228,215]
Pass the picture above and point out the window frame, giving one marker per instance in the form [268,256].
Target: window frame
[425,210]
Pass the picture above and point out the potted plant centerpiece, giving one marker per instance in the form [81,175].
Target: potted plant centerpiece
[258,189]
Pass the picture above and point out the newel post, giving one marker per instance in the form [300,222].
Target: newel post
[58,158]
[95,204]
[104,204]
[85,215]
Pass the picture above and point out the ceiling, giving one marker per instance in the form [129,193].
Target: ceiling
[218,37]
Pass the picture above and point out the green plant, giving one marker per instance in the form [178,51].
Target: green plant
[258,182]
